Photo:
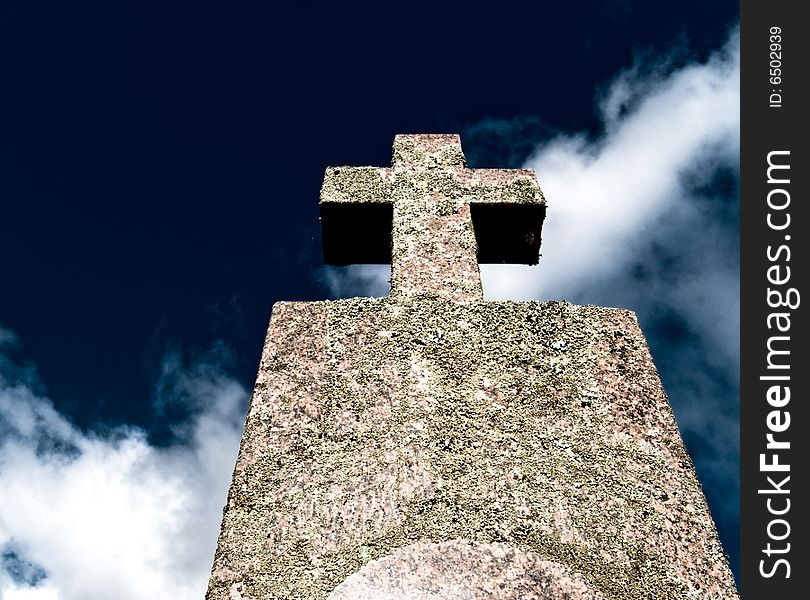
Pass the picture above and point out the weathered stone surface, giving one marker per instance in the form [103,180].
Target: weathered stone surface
[455,570]
[377,424]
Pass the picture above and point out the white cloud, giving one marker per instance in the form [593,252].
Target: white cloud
[605,195]
[356,280]
[85,515]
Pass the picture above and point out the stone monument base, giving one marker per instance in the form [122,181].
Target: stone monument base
[476,450]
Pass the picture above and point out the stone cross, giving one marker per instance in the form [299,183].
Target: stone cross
[431,445]
[431,218]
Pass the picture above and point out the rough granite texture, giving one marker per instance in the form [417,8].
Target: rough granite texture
[433,445]
[460,570]
[376,424]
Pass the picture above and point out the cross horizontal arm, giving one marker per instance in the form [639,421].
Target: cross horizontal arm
[500,186]
[356,215]
[356,185]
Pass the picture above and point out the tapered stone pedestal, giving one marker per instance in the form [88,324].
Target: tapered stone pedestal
[433,445]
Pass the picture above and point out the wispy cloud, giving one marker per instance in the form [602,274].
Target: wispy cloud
[87,515]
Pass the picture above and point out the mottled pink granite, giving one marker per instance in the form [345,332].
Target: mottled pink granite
[379,424]
[460,570]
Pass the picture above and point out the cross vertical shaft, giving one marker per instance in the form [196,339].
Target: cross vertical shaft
[434,248]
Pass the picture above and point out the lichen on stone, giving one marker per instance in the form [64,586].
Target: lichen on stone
[499,430]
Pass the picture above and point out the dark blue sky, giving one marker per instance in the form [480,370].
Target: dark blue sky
[160,164]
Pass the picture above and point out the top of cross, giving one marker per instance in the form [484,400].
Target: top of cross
[431,217]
